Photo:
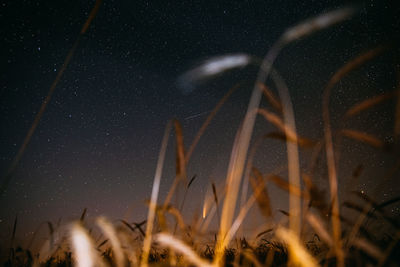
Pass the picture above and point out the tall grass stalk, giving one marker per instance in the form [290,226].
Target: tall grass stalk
[154,196]
[239,151]
[330,156]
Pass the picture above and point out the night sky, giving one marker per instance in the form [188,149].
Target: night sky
[97,144]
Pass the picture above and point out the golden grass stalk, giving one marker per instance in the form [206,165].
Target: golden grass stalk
[84,250]
[369,103]
[292,153]
[212,67]
[362,137]
[250,255]
[272,99]
[316,196]
[261,193]
[248,169]
[180,163]
[298,253]
[368,247]
[178,216]
[275,120]
[319,228]
[180,247]
[317,23]
[208,121]
[281,183]
[171,192]
[301,141]
[180,152]
[111,234]
[240,148]
[358,224]
[333,185]
[239,219]
[180,176]
[186,192]
[264,232]
[154,196]
[238,155]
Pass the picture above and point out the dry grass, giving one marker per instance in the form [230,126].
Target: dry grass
[279,242]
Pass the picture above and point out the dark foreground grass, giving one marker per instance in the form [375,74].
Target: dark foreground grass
[266,253]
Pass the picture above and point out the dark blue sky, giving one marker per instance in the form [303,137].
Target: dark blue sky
[97,143]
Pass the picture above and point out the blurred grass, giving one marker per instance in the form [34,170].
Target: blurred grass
[317,232]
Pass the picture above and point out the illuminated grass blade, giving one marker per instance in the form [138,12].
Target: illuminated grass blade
[369,103]
[239,151]
[111,234]
[84,250]
[299,254]
[363,137]
[330,157]
[154,197]
[180,247]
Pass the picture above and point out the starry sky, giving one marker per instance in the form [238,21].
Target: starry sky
[97,143]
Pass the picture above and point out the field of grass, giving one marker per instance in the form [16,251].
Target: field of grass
[315,233]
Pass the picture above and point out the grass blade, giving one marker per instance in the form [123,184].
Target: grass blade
[111,234]
[363,137]
[261,193]
[102,243]
[208,121]
[284,212]
[369,103]
[191,181]
[301,141]
[272,99]
[10,172]
[180,152]
[358,208]
[299,254]
[264,232]
[281,183]
[154,196]
[85,253]
[82,218]
[180,247]
[214,193]
[330,156]
[51,232]
[319,228]
[317,23]
[368,247]
[214,190]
